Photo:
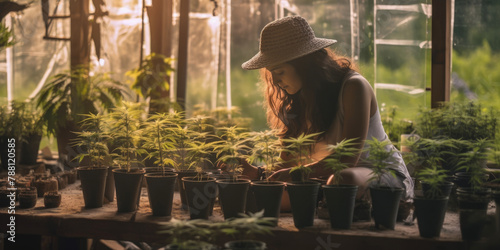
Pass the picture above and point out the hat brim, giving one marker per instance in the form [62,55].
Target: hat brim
[263,60]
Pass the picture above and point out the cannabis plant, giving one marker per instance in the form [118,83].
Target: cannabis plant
[299,148]
[266,149]
[124,122]
[340,151]
[6,37]
[231,147]
[473,161]
[381,157]
[92,141]
[157,140]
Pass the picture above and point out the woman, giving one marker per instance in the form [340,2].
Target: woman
[310,89]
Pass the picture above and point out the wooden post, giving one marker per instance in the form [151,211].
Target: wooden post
[441,51]
[160,21]
[80,34]
[183,53]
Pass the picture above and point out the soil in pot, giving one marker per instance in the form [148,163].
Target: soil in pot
[93,181]
[233,196]
[385,205]
[128,188]
[28,197]
[52,199]
[268,197]
[200,194]
[303,198]
[340,202]
[430,214]
[161,192]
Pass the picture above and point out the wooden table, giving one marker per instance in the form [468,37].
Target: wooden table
[72,221]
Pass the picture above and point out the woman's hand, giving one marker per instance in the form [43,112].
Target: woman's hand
[281,175]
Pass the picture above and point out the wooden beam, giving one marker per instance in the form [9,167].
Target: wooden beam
[80,33]
[441,51]
[183,53]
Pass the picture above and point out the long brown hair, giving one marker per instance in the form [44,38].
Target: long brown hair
[322,74]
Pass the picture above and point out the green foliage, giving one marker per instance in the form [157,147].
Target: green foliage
[433,176]
[151,80]
[124,125]
[300,148]
[20,120]
[430,153]
[231,147]
[381,156]
[201,233]
[93,141]
[343,149]
[266,148]
[6,37]
[68,95]
[474,159]
[157,140]
[394,127]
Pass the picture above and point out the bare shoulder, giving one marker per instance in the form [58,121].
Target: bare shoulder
[357,86]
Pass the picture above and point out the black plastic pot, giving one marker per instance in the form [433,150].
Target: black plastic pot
[303,198]
[463,179]
[385,204]
[29,149]
[232,196]
[93,182]
[245,245]
[161,192]
[430,215]
[128,188]
[109,191]
[180,187]
[268,196]
[444,190]
[473,206]
[340,202]
[200,194]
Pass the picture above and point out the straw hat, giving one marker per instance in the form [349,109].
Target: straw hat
[283,40]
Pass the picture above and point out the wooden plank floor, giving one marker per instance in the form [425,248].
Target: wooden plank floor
[72,220]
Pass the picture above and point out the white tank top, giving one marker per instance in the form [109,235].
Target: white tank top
[375,130]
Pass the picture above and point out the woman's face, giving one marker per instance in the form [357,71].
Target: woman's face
[285,76]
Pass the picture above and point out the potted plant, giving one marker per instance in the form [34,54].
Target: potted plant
[231,148]
[67,96]
[31,134]
[94,154]
[303,193]
[160,184]
[473,200]
[151,81]
[124,129]
[52,199]
[340,197]
[431,205]
[201,191]
[385,198]
[11,133]
[266,149]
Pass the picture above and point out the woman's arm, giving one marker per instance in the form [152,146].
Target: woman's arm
[359,105]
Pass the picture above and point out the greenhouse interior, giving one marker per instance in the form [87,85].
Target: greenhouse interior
[249,124]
